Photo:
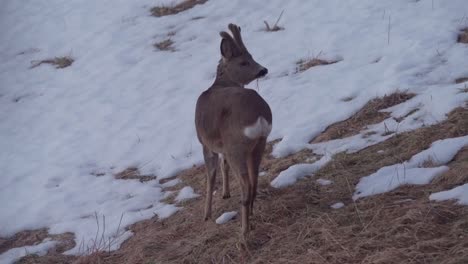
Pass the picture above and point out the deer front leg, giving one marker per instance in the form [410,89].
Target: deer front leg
[225,172]
[211,163]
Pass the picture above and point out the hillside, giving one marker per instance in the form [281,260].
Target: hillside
[366,162]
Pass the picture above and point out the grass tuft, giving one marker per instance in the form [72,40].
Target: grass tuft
[159,11]
[58,62]
[463,36]
[165,45]
[305,64]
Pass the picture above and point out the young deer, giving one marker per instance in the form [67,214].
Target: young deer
[235,122]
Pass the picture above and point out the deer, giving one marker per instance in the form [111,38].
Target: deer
[232,124]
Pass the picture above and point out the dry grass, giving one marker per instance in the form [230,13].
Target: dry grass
[275,26]
[58,62]
[369,114]
[132,173]
[160,11]
[297,225]
[463,36]
[165,45]
[461,80]
[305,64]
[463,90]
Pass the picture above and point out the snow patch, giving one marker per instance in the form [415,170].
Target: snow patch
[459,193]
[410,172]
[298,171]
[14,254]
[324,182]
[186,193]
[337,205]
[226,217]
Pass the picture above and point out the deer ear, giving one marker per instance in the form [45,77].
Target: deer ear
[228,46]
[226,49]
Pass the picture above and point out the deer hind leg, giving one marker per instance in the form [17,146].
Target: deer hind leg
[211,163]
[225,172]
[238,163]
[253,164]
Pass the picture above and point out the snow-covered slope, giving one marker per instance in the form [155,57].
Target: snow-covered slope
[122,103]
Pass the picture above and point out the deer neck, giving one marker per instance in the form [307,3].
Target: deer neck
[222,79]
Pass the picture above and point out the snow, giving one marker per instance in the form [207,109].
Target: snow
[410,172]
[14,254]
[337,205]
[324,182]
[186,193]
[225,217]
[122,104]
[459,193]
[298,171]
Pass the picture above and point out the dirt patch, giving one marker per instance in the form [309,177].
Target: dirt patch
[132,173]
[463,36]
[369,114]
[165,45]
[160,11]
[58,62]
[305,64]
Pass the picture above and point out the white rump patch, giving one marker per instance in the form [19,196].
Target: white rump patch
[261,128]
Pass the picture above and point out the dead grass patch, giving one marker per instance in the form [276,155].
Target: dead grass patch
[35,237]
[369,114]
[165,45]
[57,62]
[133,173]
[463,36]
[297,225]
[461,80]
[160,11]
[305,64]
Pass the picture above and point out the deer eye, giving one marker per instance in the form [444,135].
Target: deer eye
[245,63]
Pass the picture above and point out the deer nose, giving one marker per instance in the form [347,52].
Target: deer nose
[262,73]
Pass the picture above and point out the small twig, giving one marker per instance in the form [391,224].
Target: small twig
[389,28]
[276,23]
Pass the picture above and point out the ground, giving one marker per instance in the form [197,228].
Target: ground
[297,225]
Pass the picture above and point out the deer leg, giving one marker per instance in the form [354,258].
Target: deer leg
[225,172]
[211,163]
[253,164]
[238,163]
[245,203]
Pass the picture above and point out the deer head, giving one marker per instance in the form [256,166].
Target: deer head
[237,65]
